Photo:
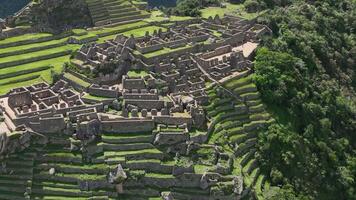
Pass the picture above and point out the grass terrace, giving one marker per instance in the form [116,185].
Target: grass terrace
[157,16]
[238,123]
[165,51]
[137,73]
[76,80]
[7,87]
[118,29]
[31,57]
[96,98]
[31,47]
[139,32]
[26,37]
[231,9]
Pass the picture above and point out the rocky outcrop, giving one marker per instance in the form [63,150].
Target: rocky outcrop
[61,14]
[118,176]
[18,141]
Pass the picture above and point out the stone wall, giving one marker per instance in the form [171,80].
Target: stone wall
[147,104]
[127,126]
[172,120]
[103,91]
[55,124]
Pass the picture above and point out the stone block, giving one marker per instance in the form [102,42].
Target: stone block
[134,113]
[154,112]
[144,112]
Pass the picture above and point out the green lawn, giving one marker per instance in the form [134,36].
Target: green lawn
[25,37]
[139,32]
[232,9]
[164,51]
[30,46]
[55,62]
[136,73]
[39,53]
[77,80]
[45,75]
[117,29]
[156,16]
[142,31]
[97,98]
[179,18]
[6,88]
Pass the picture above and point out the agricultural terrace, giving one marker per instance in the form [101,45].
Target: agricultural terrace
[34,58]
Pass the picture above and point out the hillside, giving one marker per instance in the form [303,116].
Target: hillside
[167,101]
[306,75]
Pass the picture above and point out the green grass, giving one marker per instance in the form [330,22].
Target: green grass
[137,73]
[86,36]
[6,88]
[155,175]
[84,167]
[231,9]
[44,73]
[139,32]
[38,53]
[142,31]
[231,84]
[164,51]
[64,154]
[79,31]
[83,176]
[200,169]
[77,80]
[97,98]
[56,63]
[127,135]
[145,161]
[156,16]
[124,153]
[116,29]
[30,46]
[25,37]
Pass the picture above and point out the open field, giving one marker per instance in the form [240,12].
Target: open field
[231,9]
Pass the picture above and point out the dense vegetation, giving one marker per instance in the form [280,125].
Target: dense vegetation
[191,7]
[9,7]
[306,74]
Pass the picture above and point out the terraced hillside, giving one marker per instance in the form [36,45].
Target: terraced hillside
[108,12]
[59,172]
[235,125]
[31,58]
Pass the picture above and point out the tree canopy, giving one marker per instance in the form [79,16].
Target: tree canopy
[306,74]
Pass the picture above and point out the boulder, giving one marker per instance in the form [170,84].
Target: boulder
[238,185]
[52,171]
[118,176]
[167,196]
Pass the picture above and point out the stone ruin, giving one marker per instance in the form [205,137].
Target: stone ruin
[43,108]
[167,101]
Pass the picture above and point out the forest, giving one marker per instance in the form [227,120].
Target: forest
[306,74]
